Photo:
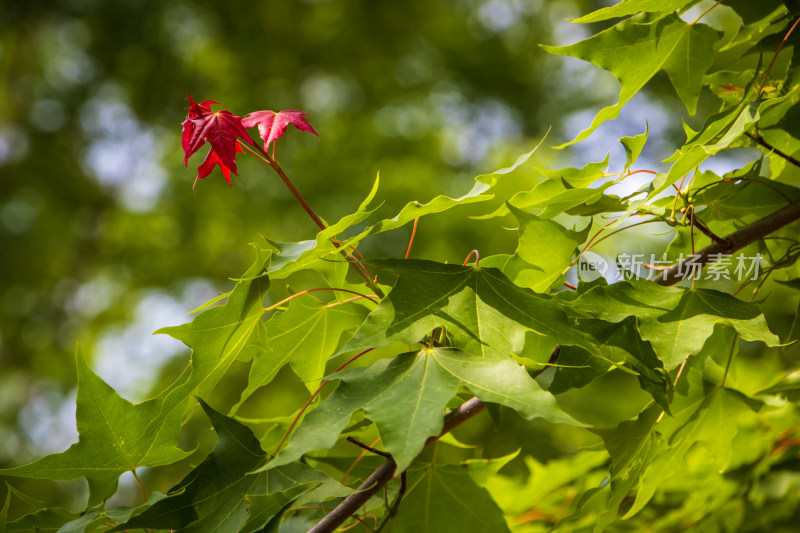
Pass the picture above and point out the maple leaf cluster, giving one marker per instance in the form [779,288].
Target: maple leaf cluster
[224,130]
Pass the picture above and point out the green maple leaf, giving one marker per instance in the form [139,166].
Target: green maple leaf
[633,145]
[631,446]
[443,498]
[652,451]
[481,308]
[305,336]
[550,484]
[556,191]
[719,132]
[211,496]
[675,320]
[293,257]
[732,204]
[406,398]
[576,368]
[116,436]
[44,518]
[292,475]
[291,485]
[266,510]
[296,256]
[551,198]
[544,252]
[316,254]
[631,7]
[618,345]
[4,510]
[700,418]
[89,521]
[218,335]
[635,51]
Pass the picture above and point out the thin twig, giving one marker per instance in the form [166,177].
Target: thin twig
[760,284]
[362,265]
[691,235]
[413,234]
[775,56]
[728,180]
[696,222]
[353,465]
[632,172]
[678,195]
[310,399]
[591,240]
[353,299]
[730,358]
[674,384]
[139,482]
[655,267]
[370,449]
[552,361]
[141,488]
[760,140]
[276,167]
[272,307]
[627,227]
[704,13]
[469,255]
[741,287]
[396,504]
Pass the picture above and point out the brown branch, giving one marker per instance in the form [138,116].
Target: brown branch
[731,243]
[386,471]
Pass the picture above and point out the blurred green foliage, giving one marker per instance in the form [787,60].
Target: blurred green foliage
[103,238]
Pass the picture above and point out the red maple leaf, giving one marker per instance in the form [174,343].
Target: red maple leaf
[272,125]
[220,129]
[211,160]
[195,111]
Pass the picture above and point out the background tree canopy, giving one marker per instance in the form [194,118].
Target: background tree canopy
[105,241]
